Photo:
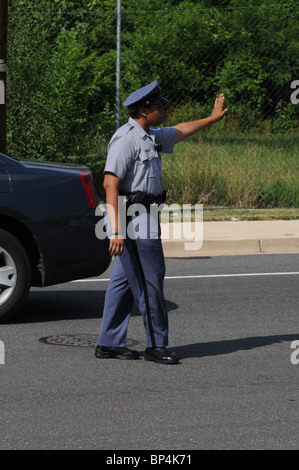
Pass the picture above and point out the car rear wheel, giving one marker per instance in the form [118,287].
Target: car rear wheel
[15,275]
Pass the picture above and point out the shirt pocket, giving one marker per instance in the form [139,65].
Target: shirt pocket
[149,159]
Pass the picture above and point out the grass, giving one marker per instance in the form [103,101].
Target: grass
[218,214]
[244,171]
[222,214]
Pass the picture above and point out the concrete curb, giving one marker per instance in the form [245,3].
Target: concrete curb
[234,238]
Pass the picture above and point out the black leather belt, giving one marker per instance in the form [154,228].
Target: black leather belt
[145,199]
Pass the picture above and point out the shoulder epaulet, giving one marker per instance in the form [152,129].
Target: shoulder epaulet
[129,127]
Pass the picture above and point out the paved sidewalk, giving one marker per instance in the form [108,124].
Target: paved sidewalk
[232,238]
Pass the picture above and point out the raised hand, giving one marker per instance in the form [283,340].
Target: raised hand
[218,111]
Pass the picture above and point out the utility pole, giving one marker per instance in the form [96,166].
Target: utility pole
[3,56]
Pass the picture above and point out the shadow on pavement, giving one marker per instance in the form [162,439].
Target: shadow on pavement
[218,348]
[42,306]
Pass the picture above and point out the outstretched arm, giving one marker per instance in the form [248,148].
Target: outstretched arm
[186,129]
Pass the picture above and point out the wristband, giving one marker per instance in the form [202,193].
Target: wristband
[116,233]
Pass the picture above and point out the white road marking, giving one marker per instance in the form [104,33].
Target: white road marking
[204,276]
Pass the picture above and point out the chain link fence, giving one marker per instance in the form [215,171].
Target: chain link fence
[61,89]
[251,54]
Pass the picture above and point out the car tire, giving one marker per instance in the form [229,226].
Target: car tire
[15,275]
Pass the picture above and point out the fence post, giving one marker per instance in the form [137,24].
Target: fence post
[118,52]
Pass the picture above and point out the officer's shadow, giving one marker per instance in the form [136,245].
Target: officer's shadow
[218,348]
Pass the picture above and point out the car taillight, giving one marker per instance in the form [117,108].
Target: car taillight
[90,194]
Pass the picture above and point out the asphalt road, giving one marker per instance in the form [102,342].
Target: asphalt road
[232,323]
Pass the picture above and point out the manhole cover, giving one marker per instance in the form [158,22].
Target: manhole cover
[78,341]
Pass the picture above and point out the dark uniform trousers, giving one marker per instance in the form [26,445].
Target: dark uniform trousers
[137,276]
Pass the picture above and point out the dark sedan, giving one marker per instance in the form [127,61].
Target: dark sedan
[47,228]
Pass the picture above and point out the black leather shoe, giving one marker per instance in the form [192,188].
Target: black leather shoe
[107,352]
[161,356]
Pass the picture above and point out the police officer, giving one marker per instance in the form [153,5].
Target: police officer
[133,169]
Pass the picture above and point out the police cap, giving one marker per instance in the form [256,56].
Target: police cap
[147,95]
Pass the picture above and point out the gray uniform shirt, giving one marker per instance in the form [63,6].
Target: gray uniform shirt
[132,156]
